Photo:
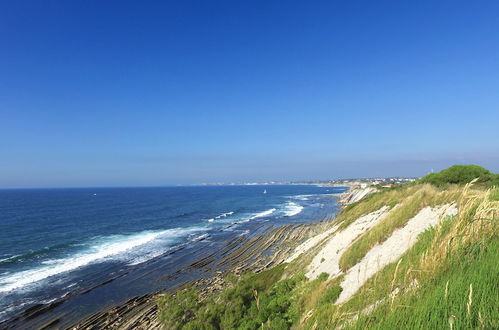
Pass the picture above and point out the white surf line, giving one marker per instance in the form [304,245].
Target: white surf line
[292,209]
[116,245]
[392,249]
[327,260]
[223,215]
[263,214]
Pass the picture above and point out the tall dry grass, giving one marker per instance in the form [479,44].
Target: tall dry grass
[447,280]
[409,202]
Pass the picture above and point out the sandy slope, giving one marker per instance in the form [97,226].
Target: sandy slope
[311,242]
[328,258]
[390,250]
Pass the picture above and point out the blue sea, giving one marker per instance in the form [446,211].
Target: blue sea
[98,247]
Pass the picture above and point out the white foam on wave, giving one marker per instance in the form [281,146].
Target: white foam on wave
[248,217]
[244,232]
[106,248]
[302,197]
[147,256]
[9,258]
[15,307]
[223,215]
[200,237]
[52,261]
[263,214]
[291,209]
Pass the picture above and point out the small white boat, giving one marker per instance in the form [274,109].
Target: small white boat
[265,191]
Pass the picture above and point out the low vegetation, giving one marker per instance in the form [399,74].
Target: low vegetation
[462,174]
[255,300]
[448,279]
[408,206]
[371,203]
[415,292]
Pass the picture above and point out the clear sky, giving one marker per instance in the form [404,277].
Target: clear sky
[121,93]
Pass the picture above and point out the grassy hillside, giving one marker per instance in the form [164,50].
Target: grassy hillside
[448,279]
[409,201]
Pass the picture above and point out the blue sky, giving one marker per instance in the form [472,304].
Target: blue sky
[120,93]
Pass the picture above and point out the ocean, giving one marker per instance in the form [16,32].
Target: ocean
[96,247]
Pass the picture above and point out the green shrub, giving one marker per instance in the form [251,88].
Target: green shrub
[459,174]
[323,276]
[331,295]
[253,300]
[495,180]
[178,309]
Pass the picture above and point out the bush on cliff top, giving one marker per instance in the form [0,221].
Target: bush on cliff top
[461,174]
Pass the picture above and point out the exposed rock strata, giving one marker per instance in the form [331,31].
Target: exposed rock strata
[239,255]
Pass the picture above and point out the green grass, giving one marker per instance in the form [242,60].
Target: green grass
[253,300]
[381,285]
[494,195]
[330,295]
[409,206]
[460,252]
[399,274]
[371,203]
[446,299]
[428,287]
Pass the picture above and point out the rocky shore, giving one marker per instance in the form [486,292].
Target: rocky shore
[248,253]
[273,246]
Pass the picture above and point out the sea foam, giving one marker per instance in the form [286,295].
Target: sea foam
[291,209]
[223,215]
[263,214]
[109,247]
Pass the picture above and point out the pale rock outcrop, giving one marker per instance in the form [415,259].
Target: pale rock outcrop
[355,194]
[327,260]
[393,248]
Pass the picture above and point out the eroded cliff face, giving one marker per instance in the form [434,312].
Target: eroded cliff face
[381,251]
[375,256]
[355,194]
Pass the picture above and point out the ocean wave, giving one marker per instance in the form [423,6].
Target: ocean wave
[302,197]
[4,260]
[230,227]
[200,237]
[263,214]
[34,254]
[16,307]
[147,256]
[104,249]
[244,232]
[52,261]
[223,215]
[249,217]
[291,209]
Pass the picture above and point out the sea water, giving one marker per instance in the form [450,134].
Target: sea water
[60,242]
